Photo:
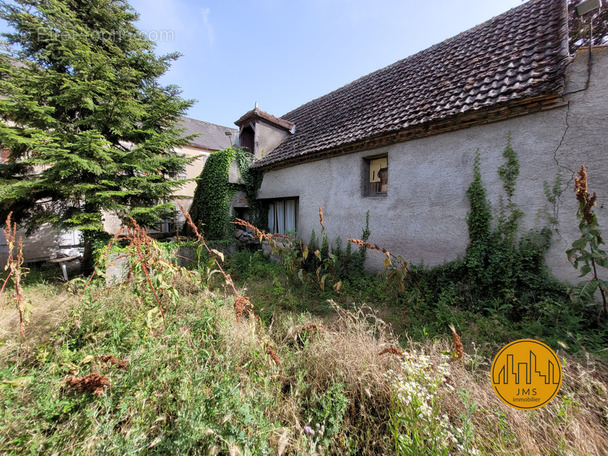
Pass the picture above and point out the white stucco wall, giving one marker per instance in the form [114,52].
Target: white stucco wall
[43,244]
[423,217]
[194,169]
[267,138]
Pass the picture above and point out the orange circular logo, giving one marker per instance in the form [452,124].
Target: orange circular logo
[526,374]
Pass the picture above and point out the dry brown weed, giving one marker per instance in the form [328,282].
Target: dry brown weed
[92,383]
[457,343]
[110,359]
[392,351]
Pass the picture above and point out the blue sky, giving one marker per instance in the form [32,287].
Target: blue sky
[284,53]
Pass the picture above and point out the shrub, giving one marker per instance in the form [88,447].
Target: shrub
[210,209]
[587,250]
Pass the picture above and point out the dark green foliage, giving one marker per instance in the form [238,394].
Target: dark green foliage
[91,128]
[478,220]
[552,193]
[351,265]
[498,264]
[342,263]
[252,181]
[587,251]
[210,209]
[330,408]
[508,222]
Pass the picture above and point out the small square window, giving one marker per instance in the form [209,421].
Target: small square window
[375,176]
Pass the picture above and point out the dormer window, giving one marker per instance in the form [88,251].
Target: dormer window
[261,132]
[247,138]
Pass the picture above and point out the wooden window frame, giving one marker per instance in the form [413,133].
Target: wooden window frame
[373,189]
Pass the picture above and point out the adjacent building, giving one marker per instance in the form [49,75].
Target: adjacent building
[47,243]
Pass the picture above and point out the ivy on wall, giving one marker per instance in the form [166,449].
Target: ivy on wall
[252,181]
[210,209]
[500,264]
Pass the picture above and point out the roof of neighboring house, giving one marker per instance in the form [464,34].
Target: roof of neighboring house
[519,55]
[211,136]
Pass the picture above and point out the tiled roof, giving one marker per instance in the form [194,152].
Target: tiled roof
[211,136]
[259,114]
[515,56]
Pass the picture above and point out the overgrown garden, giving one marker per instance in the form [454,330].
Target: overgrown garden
[310,355]
[178,348]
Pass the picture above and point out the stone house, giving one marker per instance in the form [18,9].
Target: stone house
[401,142]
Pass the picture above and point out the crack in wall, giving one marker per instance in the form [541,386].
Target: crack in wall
[557,203]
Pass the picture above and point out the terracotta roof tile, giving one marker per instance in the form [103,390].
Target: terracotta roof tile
[519,54]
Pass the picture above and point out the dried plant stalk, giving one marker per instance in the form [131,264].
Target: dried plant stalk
[15,270]
[201,239]
[242,303]
[273,354]
[392,351]
[263,235]
[114,361]
[139,238]
[92,383]
[582,195]
[591,237]
[312,328]
[457,343]
[321,218]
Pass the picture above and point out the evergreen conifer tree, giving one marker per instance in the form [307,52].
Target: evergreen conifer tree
[88,125]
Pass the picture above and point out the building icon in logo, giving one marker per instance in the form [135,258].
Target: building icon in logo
[526,374]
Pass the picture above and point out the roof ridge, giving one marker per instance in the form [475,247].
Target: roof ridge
[517,55]
[419,53]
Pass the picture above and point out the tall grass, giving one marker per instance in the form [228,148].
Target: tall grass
[205,384]
[162,365]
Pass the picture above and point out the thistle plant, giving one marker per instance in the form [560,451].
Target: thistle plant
[313,437]
[586,251]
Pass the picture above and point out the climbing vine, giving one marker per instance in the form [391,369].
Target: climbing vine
[499,264]
[508,221]
[252,181]
[210,210]
[480,216]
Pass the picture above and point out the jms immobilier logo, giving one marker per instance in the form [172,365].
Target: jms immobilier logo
[526,374]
